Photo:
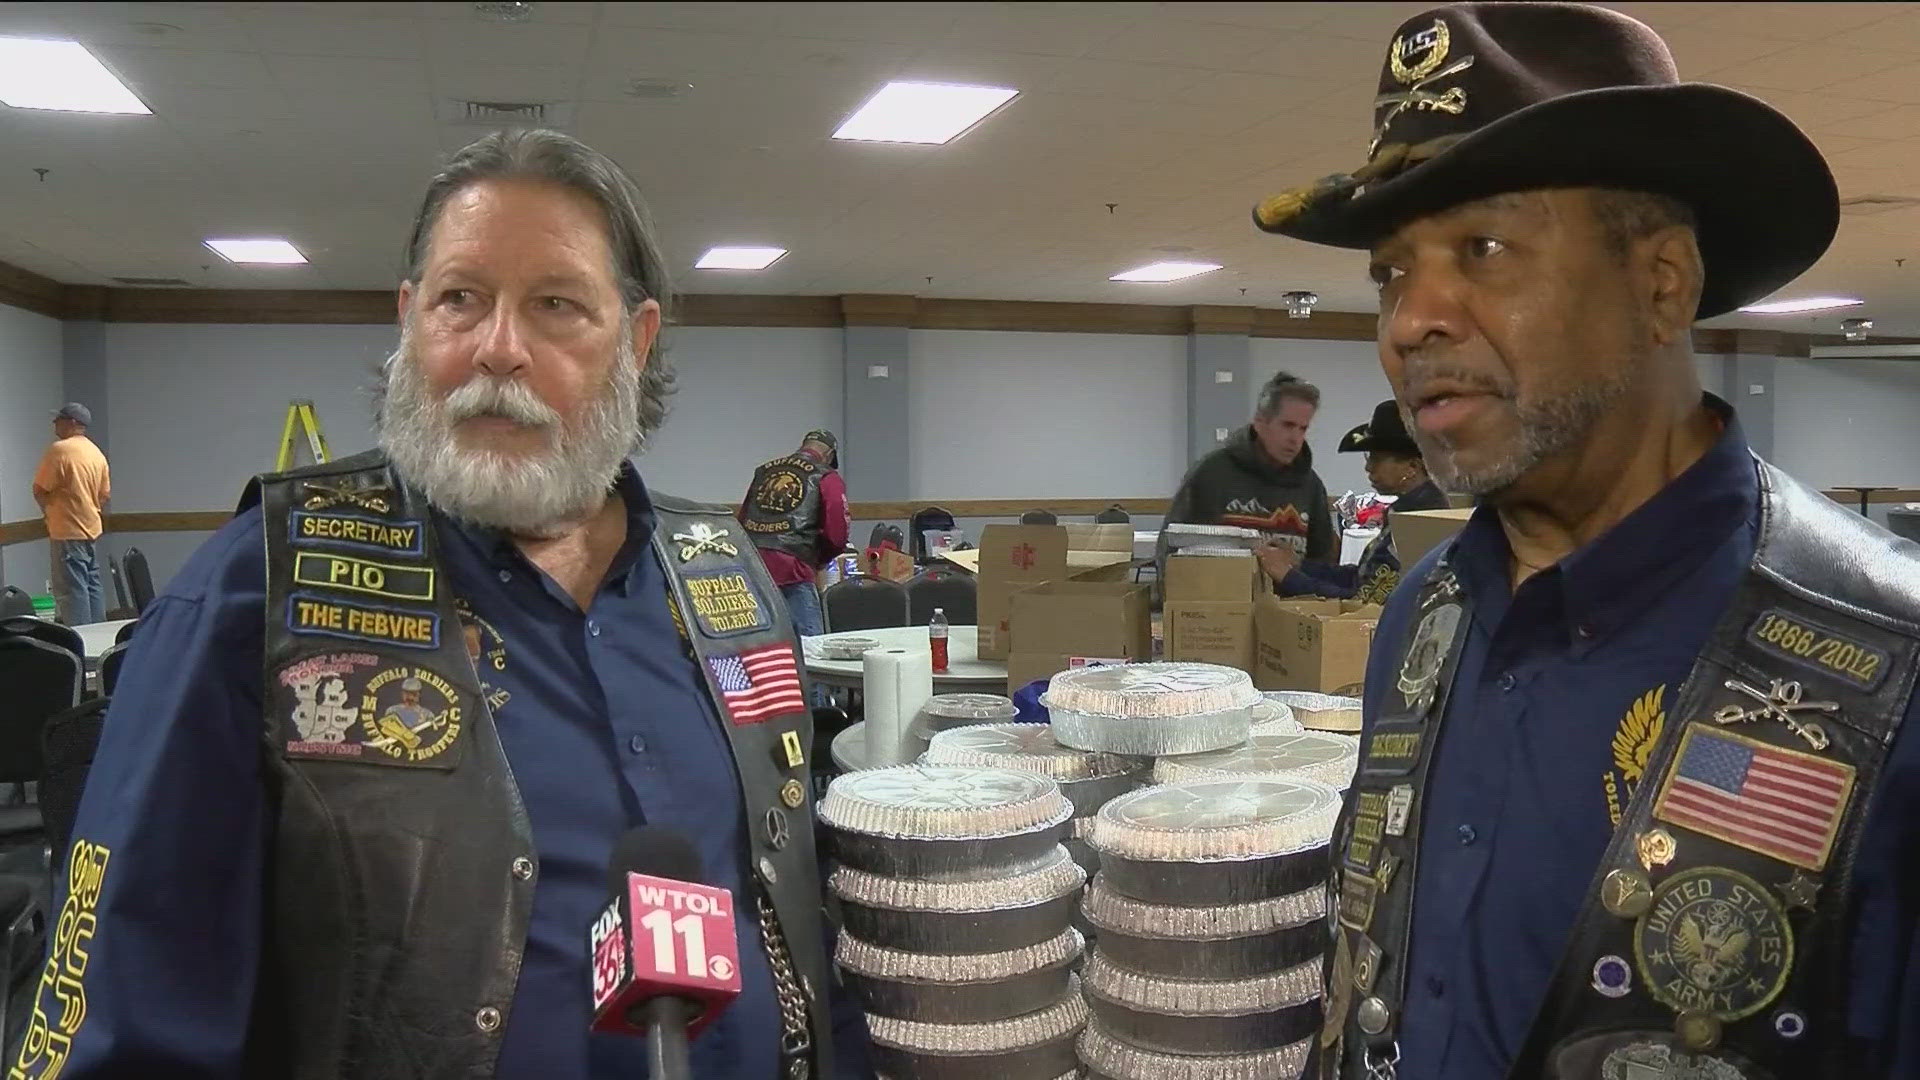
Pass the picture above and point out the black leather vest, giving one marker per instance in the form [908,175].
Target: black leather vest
[403,868]
[782,511]
[1707,947]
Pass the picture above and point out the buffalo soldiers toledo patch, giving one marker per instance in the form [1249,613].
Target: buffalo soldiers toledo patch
[1714,942]
[726,604]
[359,707]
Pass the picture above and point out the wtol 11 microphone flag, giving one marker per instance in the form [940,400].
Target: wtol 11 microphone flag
[663,935]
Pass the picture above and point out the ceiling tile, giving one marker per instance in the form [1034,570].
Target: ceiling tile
[456,44]
[1900,83]
[294,34]
[1813,67]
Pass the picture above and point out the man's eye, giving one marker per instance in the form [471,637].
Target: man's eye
[456,297]
[1485,247]
[556,303]
[1384,275]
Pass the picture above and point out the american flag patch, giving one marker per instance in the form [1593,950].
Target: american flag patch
[1756,796]
[758,684]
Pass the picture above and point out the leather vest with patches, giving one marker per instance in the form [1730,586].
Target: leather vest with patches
[782,511]
[403,866]
[1714,940]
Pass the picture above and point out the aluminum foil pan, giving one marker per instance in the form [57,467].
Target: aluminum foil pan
[1038,1046]
[944,822]
[943,711]
[1225,942]
[1272,717]
[1107,1056]
[845,648]
[1321,756]
[1025,748]
[1321,712]
[1193,1016]
[1082,852]
[1150,691]
[967,988]
[1224,841]
[1154,736]
[996,915]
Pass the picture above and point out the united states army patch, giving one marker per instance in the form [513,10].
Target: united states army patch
[1714,942]
[362,708]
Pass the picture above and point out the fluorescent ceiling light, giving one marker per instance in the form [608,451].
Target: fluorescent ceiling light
[62,75]
[912,112]
[1805,303]
[1166,271]
[265,251]
[740,258]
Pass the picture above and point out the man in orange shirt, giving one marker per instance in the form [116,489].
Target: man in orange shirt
[71,487]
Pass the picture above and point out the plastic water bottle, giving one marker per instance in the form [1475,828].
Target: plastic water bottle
[937,639]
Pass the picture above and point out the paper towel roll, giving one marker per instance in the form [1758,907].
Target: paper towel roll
[897,682]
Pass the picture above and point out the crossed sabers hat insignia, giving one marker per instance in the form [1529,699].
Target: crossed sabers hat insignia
[1779,702]
[703,537]
[320,496]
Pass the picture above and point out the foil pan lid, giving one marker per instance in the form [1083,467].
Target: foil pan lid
[972,708]
[1059,876]
[1248,817]
[879,963]
[1324,757]
[1272,717]
[943,802]
[1060,1021]
[1137,691]
[1110,1057]
[1023,748]
[1321,712]
[1108,910]
[1296,985]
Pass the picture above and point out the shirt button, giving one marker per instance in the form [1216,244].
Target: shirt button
[1436,985]
[637,744]
[593,628]
[1585,631]
[523,868]
[1507,682]
[1467,835]
[487,1019]
[506,576]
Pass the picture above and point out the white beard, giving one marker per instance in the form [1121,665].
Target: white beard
[537,493]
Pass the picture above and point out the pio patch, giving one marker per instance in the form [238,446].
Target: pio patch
[329,571]
[353,530]
[412,629]
[726,605]
[362,708]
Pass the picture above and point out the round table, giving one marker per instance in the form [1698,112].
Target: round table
[965,670]
[98,637]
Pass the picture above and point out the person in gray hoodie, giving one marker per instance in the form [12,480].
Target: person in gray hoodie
[1263,477]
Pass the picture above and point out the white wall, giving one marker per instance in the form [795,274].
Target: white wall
[30,389]
[1014,415]
[1351,384]
[1848,421]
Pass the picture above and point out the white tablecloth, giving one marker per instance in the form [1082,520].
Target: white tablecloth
[98,637]
[965,670]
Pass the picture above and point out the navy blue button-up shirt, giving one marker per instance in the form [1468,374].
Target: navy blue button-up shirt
[1562,689]
[605,721]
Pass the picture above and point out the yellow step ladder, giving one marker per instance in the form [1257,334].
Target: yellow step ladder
[301,412]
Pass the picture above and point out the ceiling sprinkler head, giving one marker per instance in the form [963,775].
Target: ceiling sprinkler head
[1300,303]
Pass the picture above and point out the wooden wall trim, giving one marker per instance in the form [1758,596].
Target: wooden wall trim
[168,521]
[21,532]
[26,289]
[715,309]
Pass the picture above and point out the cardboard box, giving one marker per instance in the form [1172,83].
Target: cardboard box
[1210,633]
[1015,557]
[1318,645]
[1222,579]
[1417,532]
[892,565]
[1056,622]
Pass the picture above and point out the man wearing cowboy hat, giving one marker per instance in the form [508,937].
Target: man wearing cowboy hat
[1638,782]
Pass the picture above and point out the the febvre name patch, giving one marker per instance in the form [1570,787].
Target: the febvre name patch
[726,604]
[311,614]
[359,707]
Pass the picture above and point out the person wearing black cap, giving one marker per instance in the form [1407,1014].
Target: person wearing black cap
[1639,773]
[796,513]
[1394,468]
[72,486]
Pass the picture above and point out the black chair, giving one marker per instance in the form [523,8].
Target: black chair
[932,517]
[883,532]
[125,633]
[15,600]
[1113,515]
[139,579]
[952,591]
[865,603]
[120,599]
[59,635]
[41,681]
[110,662]
[68,743]
[1039,517]
[23,919]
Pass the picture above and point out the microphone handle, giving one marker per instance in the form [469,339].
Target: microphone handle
[667,1018]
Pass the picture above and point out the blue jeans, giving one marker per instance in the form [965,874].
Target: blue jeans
[76,582]
[803,604]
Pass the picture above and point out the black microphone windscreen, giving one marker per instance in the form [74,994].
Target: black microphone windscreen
[655,851]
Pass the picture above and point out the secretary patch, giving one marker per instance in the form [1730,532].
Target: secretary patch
[1799,642]
[310,614]
[330,571]
[726,605]
[394,537]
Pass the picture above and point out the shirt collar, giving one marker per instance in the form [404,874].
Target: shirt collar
[1605,583]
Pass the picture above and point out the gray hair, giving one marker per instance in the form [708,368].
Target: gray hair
[1626,216]
[538,154]
[1282,386]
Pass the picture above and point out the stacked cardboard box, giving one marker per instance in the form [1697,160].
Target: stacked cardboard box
[1318,645]
[1208,613]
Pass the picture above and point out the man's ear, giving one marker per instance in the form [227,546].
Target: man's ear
[1675,274]
[646,329]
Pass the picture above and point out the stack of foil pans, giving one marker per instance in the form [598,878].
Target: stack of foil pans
[1205,1016]
[1037,1046]
[944,712]
[1149,710]
[1209,842]
[963,988]
[1108,1058]
[944,823]
[1017,911]
[1225,941]
[1273,717]
[1088,778]
[1321,712]
[1321,756]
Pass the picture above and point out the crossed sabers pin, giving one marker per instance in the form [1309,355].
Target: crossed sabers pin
[320,496]
[1417,96]
[1779,702]
[703,537]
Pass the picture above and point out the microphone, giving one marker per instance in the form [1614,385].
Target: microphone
[666,959]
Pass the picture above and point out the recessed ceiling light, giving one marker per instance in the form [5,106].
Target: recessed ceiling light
[1805,303]
[63,76]
[739,258]
[271,252]
[914,112]
[1166,271]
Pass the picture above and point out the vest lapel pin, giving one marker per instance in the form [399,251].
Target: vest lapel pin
[1781,701]
[1656,847]
[1626,893]
[1801,891]
[701,538]
[1389,862]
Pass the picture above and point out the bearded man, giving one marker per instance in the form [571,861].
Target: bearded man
[251,894]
